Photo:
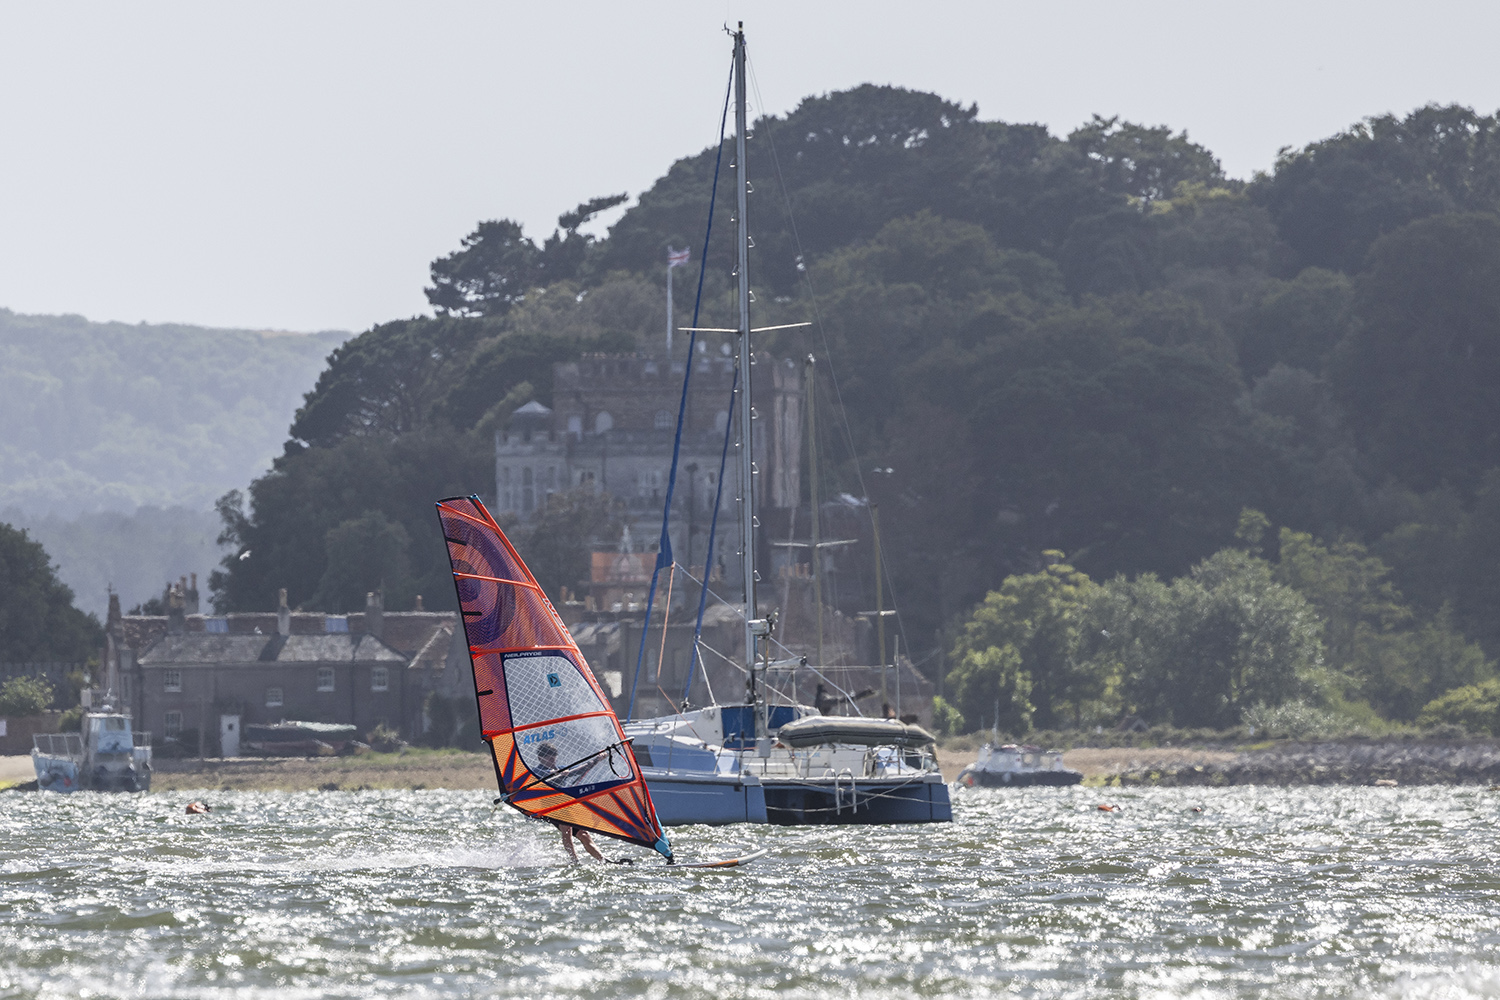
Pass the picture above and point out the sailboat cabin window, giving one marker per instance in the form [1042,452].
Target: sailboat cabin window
[172,723]
[274,698]
[325,678]
[380,679]
[171,680]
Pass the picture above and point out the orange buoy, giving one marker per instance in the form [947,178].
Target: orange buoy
[196,808]
[1109,808]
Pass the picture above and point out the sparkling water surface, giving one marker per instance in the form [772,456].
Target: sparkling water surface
[1317,892]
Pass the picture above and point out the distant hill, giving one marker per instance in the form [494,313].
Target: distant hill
[137,553]
[118,438]
[110,416]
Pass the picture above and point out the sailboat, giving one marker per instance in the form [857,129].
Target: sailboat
[770,759]
[557,747]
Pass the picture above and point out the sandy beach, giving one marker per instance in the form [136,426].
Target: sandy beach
[1356,762]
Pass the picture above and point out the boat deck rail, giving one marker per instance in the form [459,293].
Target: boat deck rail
[58,744]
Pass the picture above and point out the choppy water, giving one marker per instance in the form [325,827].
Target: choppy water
[1326,892]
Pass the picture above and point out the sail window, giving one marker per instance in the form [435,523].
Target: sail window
[171,680]
[325,678]
[274,697]
[380,679]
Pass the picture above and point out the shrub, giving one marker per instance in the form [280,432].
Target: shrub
[1294,719]
[384,739]
[25,696]
[1475,707]
[946,720]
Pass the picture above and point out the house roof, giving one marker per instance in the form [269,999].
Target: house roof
[214,648]
[421,637]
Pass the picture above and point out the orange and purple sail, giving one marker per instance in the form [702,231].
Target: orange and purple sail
[558,748]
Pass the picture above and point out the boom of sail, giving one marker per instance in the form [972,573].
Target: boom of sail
[558,749]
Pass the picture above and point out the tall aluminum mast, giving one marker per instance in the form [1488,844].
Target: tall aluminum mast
[754,625]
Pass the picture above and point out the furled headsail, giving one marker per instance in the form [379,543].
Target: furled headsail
[558,748]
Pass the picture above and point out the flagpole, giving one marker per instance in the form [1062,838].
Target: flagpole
[670,269]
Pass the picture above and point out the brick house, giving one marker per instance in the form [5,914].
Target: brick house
[182,671]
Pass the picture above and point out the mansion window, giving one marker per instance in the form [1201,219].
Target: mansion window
[172,723]
[325,678]
[380,679]
[274,697]
[171,680]
[663,420]
[507,494]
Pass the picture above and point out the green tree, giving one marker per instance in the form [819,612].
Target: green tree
[278,533]
[37,618]
[25,696]
[1418,369]
[1200,651]
[1143,162]
[991,685]
[1348,587]
[558,542]
[364,554]
[495,269]
[388,380]
[1036,616]
[1332,199]
[1373,639]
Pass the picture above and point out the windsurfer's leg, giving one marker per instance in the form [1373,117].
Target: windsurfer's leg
[567,839]
[588,843]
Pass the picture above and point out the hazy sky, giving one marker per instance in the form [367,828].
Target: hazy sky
[298,165]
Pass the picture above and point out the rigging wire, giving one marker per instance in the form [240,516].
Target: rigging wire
[827,348]
[664,549]
[713,528]
[700,645]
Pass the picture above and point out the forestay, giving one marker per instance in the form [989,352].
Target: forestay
[558,748]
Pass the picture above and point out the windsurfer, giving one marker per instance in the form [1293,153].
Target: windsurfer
[546,756]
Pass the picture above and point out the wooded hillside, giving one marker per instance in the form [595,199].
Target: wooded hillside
[1095,345]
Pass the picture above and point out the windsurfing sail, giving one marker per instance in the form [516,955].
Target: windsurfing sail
[558,748]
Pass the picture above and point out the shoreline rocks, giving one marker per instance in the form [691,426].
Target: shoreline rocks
[1343,762]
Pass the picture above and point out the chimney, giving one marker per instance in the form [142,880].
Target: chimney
[283,614]
[192,596]
[419,602]
[374,611]
[176,619]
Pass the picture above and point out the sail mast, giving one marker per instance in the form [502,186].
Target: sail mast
[753,626]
